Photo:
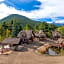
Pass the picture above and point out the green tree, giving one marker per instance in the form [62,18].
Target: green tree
[16,28]
[52,27]
[8,33]
[61,30]
[43,26]
[35,28]
[27,27]
[2,33]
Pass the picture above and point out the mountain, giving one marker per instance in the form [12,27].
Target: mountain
[19,18]
[58,24]
[23,20]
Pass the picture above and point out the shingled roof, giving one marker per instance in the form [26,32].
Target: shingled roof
[40,33]
[56,33]
[27,34]
[11,41]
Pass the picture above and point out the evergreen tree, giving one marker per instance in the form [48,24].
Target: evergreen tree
[61,30]
[43,26]
[2,33]
[40,27]
[35,28]
[16,28]
[8,33]
[27,27]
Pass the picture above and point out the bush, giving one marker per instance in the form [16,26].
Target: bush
[48,34]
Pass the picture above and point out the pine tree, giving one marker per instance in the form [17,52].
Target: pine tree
[27,27]
[2,33]
[40,27]
[16,28]
[35,28]
[8,33]
[0,38]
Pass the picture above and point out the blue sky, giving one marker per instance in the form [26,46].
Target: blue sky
[27,5]
[41,10]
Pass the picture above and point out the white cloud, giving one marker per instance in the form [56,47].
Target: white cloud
[1,0]
[49,22]
[59,21]
[35,14]
[5,11]
[48,9]
[54,7]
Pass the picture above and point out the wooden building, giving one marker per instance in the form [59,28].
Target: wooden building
[26,35]
[40,35]
[56,34]
[7,43]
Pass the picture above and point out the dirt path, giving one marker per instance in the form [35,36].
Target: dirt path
[28,56]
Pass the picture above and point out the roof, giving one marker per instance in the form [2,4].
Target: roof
[26,33]
[56,33]
[21,34]
[40,33]
[60,40]
[11,41]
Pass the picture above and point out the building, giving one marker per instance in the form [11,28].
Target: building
[26,35]
[7,43]
[40,35]
[56,34]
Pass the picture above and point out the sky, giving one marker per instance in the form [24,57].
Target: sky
[40,10]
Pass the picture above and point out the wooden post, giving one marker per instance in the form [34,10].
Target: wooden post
[2,48]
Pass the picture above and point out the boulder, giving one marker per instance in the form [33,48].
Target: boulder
[42,49]
[47,45]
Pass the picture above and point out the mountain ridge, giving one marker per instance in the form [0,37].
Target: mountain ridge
[19,18]
[24,20]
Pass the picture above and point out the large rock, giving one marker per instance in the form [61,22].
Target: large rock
[47,45]
[42,49]
[51,52]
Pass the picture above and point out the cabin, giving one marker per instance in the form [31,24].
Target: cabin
[56,34]
[26,36]
[7,43]
[21,34]
[12,41]
[40,35]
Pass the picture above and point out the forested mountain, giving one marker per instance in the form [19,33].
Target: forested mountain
[13,24]
[19,19]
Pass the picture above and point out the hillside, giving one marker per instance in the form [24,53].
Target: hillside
[20,19]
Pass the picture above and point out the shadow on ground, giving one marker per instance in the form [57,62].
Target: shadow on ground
[33,46]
